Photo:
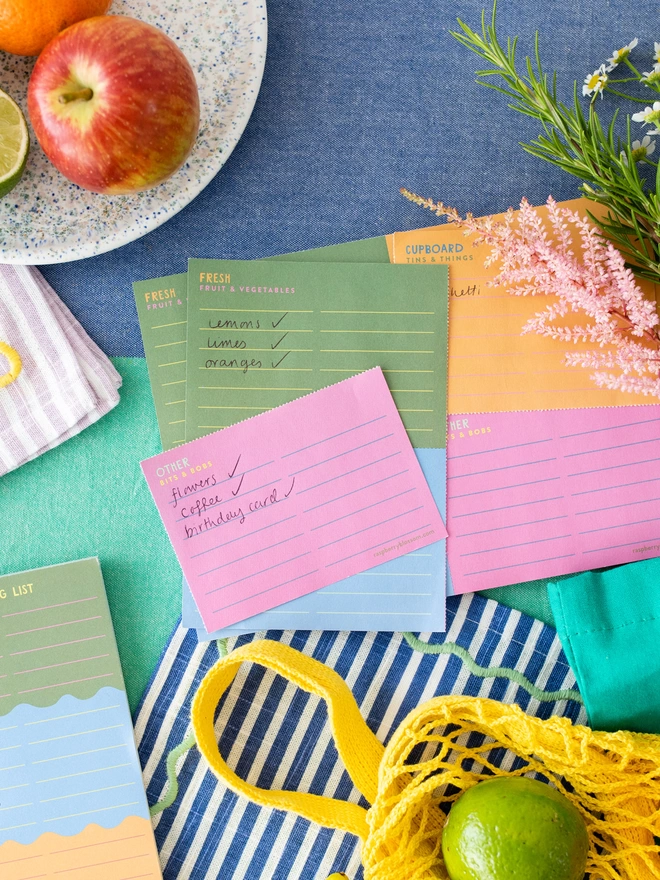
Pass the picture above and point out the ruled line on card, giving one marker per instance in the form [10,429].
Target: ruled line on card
[334,436]
[342,454]
[349,473]
[512,546]
[513,526]
[50,607]
[520,564]
[268,590]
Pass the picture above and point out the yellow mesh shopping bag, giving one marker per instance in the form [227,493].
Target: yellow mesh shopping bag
[438,751]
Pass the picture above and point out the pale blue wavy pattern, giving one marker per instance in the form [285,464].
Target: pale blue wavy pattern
[68,765]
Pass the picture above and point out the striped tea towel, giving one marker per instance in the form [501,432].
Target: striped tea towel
[276,736]
[66,382]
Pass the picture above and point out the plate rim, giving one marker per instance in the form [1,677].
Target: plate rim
[118,239]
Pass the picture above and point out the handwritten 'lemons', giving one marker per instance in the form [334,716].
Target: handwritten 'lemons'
[514,828]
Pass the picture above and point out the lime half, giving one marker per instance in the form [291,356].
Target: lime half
[14,143]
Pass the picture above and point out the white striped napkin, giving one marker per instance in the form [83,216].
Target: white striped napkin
[66,382]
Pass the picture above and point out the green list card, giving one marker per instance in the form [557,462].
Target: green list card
[263,333]
[162,312]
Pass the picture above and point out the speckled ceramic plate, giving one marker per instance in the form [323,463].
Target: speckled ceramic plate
[46,219]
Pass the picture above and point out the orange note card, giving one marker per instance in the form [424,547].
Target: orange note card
[492,367]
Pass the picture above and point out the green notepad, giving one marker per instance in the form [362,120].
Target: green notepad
[262,334]
[162,312]
[72,796]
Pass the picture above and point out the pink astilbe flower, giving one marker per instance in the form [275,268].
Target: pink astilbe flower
[538,259]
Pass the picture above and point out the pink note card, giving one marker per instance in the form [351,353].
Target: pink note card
[294,499]
[538,494]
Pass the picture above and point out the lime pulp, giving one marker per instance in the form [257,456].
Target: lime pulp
[14,143]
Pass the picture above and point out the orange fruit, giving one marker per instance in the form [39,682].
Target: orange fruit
[26,26]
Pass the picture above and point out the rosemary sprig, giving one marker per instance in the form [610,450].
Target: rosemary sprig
[579,144]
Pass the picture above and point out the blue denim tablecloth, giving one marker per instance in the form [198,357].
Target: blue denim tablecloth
[359,99]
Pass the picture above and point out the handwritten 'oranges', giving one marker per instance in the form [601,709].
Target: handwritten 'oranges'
[26,26]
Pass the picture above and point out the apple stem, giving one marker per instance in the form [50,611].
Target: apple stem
[81,95]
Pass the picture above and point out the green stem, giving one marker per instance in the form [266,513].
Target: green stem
[632,67]
[623,95]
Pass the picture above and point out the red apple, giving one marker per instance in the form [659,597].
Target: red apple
[114,104]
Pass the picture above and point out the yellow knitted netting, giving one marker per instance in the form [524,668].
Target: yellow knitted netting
[612,778]
[439,750]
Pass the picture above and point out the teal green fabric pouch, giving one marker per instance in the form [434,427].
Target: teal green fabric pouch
[609,626]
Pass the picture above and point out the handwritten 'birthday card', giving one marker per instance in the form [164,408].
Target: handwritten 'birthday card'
[294,499]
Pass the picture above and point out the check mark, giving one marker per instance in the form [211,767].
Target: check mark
[280,321]
[279,340]
[230,475]
[280,361]
[239,486]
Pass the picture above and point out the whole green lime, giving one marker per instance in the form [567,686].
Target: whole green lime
[514,828]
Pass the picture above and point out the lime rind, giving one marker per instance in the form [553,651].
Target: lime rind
[514,828]
[14,143]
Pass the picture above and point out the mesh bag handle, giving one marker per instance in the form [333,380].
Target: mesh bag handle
[360,751]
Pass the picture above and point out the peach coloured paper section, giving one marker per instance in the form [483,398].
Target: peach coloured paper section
[294,499]
[127,851]
[492,368]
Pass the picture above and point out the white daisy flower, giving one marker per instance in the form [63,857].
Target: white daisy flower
[653,76]
[656,53]
[639,149]
[595,82]
[620,55]
[644,148]
[649,115]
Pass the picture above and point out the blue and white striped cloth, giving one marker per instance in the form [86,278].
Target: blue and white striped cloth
[276,736]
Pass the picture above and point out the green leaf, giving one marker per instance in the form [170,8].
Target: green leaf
[578,144]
